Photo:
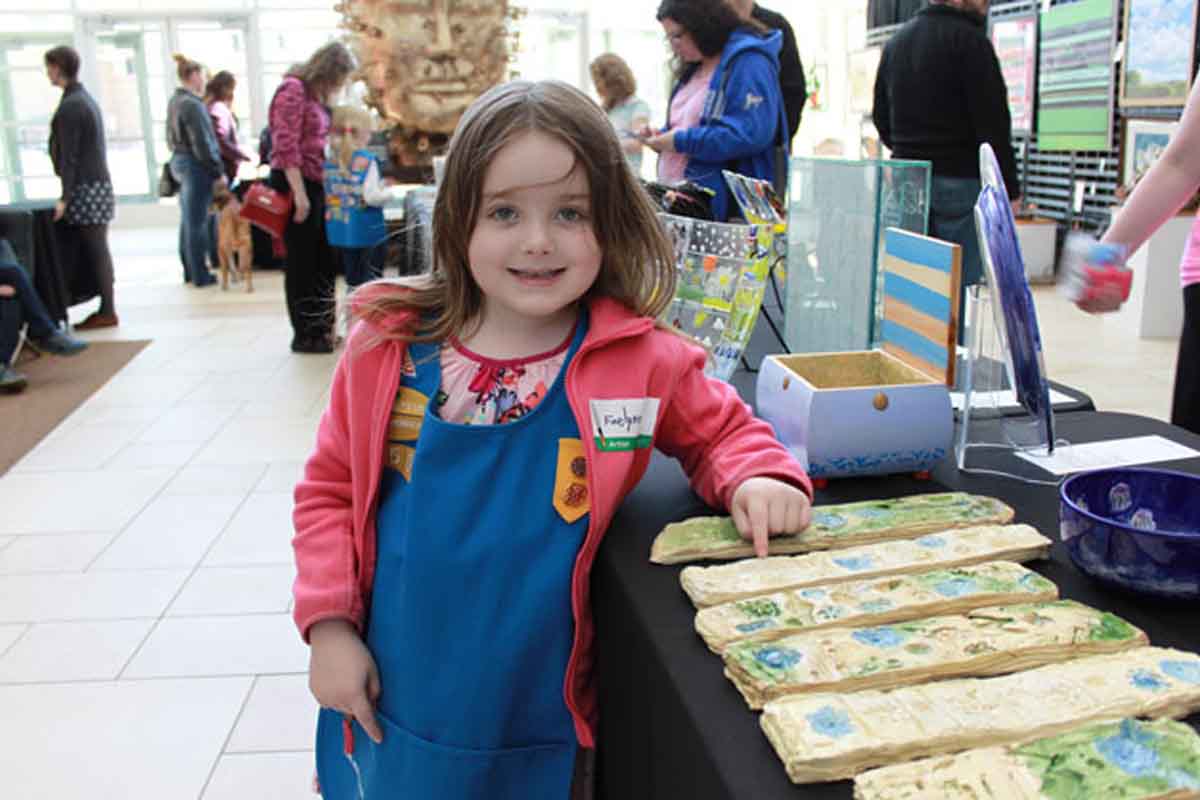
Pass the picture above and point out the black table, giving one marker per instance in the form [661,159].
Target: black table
[60,276]
[672,726]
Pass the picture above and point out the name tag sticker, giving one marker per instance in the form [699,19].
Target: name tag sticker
[621,425]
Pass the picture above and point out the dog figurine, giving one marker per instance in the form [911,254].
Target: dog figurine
[233,240]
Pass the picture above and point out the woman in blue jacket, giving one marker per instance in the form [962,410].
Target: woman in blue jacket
[726,109]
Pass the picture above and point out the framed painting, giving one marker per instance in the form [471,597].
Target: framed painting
[1075,85]
[1159,37]
[1143,141]
[1015,42]
[864,64]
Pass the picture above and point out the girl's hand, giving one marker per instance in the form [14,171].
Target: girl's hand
[764,507]
[302,207]
[342,674]
[662,142]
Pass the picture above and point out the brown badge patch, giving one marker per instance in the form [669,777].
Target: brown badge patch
[408,412]
[571,499]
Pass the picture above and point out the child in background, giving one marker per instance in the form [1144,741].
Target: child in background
[354,194]
[484,425]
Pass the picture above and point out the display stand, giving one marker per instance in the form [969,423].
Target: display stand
[984,378]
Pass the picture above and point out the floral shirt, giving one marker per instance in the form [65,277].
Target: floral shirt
[477,390]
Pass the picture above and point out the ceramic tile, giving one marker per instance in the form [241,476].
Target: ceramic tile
[172,531]
[194,646]
[235,590]
[260,533]
[251,441]
[158,391]
[50,597]
[53,652]
[144,740]
[263,776]
[82,447]
[280,714]
[52,552]
[190,422]
[216,479]
[5,541]
[9,634]
[96,501]
[280,476]
[139,455]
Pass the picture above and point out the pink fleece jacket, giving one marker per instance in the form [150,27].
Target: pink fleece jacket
[701,422]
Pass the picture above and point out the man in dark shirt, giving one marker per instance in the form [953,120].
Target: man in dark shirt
[939,94]
[791,73]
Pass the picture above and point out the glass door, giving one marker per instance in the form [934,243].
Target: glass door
[123,94]
[27,102]
[219,44]
[553,44]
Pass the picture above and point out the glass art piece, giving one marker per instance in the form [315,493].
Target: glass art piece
[825,737]
[839,525]
[895,598]
[1129,759]
[1016,316]
[986,641]
[957,547]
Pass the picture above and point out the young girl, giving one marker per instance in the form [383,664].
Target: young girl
[484,425]
[354,194]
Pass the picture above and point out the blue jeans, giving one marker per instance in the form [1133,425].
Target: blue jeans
[952,219]
[25,306]
[195,196]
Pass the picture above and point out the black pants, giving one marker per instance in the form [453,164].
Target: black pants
[310,272]
[1185,406]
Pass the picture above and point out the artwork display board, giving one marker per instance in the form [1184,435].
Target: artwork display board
[1015,42]
[1142,143]
[1159,39]
[864,65]
[1075,76]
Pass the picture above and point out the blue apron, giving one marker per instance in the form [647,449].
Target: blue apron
[349,221]
[470,622]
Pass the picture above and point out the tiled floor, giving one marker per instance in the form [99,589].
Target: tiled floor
[146,650]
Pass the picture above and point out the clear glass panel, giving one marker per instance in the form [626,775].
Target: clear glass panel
[41,188]
[837,213]
[118,61]
[551,46]
[39,23]
[219,46]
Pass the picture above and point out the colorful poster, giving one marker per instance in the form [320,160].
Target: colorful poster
[1158,52]
[1075,72]
[1015,42]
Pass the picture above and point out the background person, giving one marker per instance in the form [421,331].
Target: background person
[791,71]
[218,99]
[939,94]
[354,194]
[628,113]
[726,110]
[196,165]
[299,124]
[87,202]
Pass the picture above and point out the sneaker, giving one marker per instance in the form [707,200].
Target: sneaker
[60,344]
[98,320]
[11,381]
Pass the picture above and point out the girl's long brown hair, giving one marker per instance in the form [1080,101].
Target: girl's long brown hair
[637,268]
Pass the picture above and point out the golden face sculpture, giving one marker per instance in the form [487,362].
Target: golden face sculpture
[425,61]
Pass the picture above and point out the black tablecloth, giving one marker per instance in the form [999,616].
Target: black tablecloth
[672,726]
[60,275]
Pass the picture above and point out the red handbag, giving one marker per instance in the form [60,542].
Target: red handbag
[267,209]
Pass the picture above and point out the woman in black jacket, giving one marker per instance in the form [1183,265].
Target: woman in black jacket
[86,204]
[196,165]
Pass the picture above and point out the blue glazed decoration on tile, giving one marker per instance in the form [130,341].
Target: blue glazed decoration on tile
[1186,671]
[831,722]
[830,613]
[855,563]
[1147,680]
[875,606]
[1131,751]
[826,520]
[1119,548]
[956,587]
[873,513]
[932,542]
[777,657]
[884,638]
[757,625]
[813,594]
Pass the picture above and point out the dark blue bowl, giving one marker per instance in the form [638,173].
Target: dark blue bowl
[1134,528]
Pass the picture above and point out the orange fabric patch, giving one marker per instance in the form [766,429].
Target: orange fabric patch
[408,413]
[571,498]
[400,458]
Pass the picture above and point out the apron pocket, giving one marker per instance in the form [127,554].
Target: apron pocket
[408,766]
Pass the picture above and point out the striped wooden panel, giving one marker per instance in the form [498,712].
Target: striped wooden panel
[921,278]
